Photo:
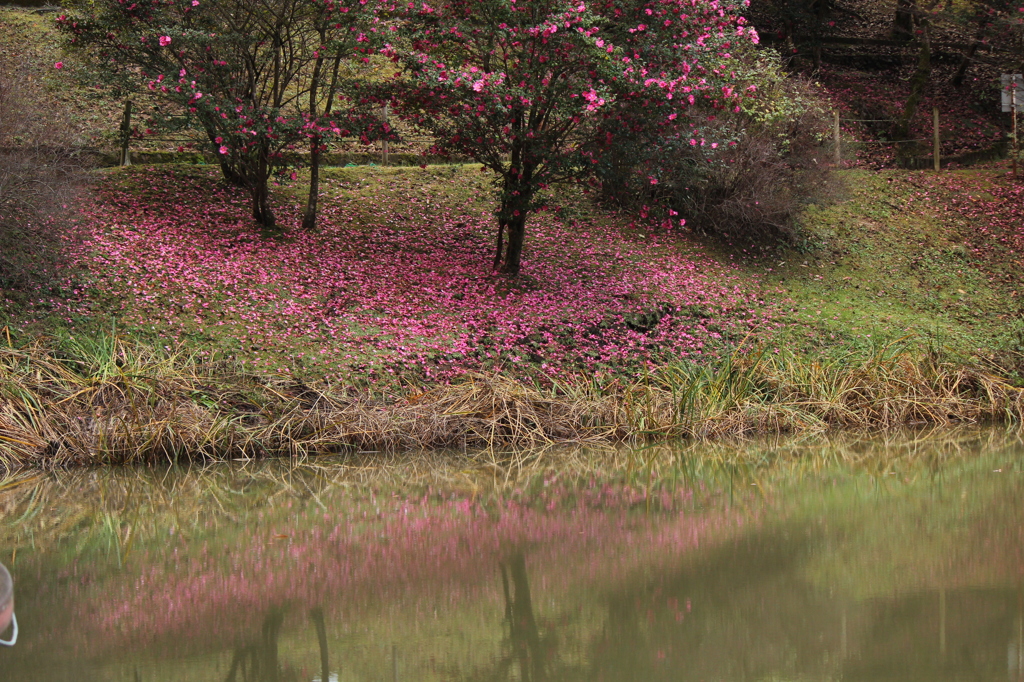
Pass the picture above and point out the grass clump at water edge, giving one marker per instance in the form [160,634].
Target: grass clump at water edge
[108,400]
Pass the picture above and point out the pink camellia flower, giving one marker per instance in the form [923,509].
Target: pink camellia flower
[165,41]
[223,149]
[58,65]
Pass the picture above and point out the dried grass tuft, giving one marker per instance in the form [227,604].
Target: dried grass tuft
[110,401]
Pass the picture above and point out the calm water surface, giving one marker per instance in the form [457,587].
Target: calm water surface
[897,559]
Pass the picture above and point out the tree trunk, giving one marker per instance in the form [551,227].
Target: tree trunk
[231,176]
[260,193]
[261,211]
[516,198]
[903,22]
[821,8]
[918,82]
[516,228]
[309,218]
[965,62]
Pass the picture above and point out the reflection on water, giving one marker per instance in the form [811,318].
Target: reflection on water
[876,571]
[524,639]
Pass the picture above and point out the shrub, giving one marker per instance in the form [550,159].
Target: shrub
[740,173]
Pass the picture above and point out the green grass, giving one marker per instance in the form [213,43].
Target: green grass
[886,317]
[881,264]
[876,264]
[887,320]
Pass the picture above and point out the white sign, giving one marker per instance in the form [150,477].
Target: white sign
[1007,84]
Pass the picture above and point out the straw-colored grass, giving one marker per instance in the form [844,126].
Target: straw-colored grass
[107,400]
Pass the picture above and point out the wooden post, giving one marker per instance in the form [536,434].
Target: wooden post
[942,622]
[843,639]
[1020,639]
[384,152]
[126,134]
[1013,110]
[937,141]
[839,156]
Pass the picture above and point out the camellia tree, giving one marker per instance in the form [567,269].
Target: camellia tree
[535,89]
[258,76]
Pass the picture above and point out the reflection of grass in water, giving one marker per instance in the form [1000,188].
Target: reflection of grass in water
[947,522]
[256,513]
[364,543]
[107,511]
[112,510]
[114,513]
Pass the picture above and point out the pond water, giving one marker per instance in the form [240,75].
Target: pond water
[854,558]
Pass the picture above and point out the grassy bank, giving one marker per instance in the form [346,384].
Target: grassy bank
[174,330]
[177,332]
[107,401]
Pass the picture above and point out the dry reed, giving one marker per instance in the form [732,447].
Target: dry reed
[107,400]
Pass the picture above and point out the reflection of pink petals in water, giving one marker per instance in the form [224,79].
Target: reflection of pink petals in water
[6,614]
[6,599]
[416,550]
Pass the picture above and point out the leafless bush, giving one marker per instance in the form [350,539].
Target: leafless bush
[748,177]
[757,187]
[40,175]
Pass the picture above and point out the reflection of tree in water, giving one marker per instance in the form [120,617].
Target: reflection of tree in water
[523,633]
[258,661]
[526,655]
[317,616]
[741,613]
[755,616]
[970,633]
[740,632]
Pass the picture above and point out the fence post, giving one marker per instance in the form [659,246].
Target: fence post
[384,149]
[126,133]
[1013,108]
[839,156]
[936,141]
